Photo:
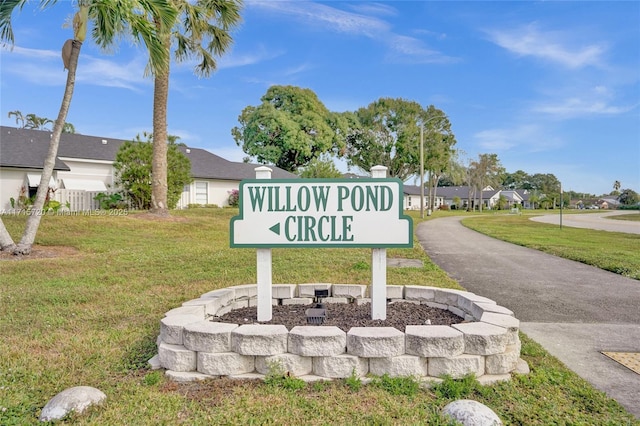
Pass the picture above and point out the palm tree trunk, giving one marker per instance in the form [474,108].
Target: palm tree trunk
[33,221]
[159,183]
[6,242]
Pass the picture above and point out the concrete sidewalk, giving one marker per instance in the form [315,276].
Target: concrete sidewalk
[573,310]
[601,221]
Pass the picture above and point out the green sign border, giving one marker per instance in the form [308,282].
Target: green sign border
[401,215]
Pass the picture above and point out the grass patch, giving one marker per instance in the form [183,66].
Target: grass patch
[633,217]
[612,251]
[92,319]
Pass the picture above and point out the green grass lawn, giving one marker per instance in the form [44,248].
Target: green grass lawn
[612,251]
[91,317]
[632,216]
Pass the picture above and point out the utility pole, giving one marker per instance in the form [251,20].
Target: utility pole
[421,170]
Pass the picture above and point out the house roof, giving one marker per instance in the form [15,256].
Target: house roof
[28,148]
[463,192]
[23,148]
[449,192]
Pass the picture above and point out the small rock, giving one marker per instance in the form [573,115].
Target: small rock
[76,399]
[522,367]
[471,413]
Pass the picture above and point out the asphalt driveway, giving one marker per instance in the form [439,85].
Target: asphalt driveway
[575,311]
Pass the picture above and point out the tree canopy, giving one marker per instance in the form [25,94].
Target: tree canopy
[289,128]
[321,168]
[486,170]
[628,197]
[387,133]
[133,170]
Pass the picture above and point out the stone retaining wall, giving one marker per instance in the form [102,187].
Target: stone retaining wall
[192,345]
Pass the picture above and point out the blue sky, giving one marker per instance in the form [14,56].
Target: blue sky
[550,87]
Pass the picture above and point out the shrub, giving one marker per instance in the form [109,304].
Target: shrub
[234,197]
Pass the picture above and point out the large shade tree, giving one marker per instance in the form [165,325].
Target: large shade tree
[201,31]
[290,128]
[387,133]
[111,20]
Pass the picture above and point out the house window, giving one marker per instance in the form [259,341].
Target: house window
[202,193]
[409,197]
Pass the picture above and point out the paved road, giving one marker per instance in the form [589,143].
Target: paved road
[600,221]
[575,311]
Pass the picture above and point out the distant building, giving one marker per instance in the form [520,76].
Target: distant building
[84,168]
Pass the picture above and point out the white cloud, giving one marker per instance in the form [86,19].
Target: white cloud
[553,46]
[380,9]
[235,60]
[335,19]
[574,107]
[101,72]
[32,53]
[528,137]
[44,67]
[596,101]
[297,69]
[413,50]
[357,24]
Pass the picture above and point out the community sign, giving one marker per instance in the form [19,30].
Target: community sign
[364,212]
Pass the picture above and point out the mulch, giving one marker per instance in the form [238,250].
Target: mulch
[346,316]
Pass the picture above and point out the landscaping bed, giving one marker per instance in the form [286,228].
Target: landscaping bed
[347,315]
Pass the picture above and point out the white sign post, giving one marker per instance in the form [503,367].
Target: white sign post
[365,212]
[379,268]
[263,267]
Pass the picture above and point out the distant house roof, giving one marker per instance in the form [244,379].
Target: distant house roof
[449,192]
[28,148]
[350,175]
[512,195]
[463,192]
[524,194]
[415,190]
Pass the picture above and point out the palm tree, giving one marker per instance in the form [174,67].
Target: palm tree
[37,123]
[616,187]
[32,121]
[201,30]
[111,19]
[19,117]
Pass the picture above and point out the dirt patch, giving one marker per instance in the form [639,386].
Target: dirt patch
[158,218]
[212,391]
[42,252]
[345,316]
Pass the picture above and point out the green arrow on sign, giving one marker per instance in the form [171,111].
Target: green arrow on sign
[275,229]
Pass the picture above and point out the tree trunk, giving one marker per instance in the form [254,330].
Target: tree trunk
[33,221]
[159,185]
[6,242]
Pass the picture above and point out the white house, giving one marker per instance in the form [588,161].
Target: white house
[412,198]
[84,168]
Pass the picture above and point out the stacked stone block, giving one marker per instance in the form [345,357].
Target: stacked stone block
[193,346]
